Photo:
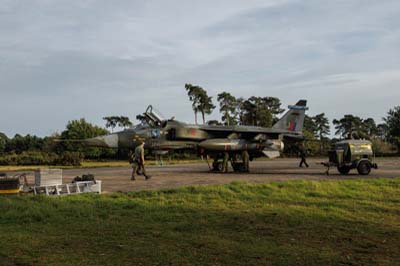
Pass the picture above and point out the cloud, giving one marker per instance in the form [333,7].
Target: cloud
[70,59]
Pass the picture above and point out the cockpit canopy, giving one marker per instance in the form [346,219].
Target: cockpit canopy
[151,118]
[154,115]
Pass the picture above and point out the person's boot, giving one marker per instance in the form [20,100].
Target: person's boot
[133,178]
[147,177]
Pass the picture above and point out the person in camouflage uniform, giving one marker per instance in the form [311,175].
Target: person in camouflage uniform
[303,155]
[225,163]
[246,161]
[137,159]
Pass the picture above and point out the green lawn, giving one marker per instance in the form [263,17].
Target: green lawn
[355,222]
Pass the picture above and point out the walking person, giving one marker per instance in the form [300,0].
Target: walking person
[138,162]
[303,156]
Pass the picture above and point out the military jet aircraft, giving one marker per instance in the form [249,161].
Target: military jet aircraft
[234,142]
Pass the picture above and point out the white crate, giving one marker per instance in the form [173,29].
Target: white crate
[48,177]
[97,187]
[89,186]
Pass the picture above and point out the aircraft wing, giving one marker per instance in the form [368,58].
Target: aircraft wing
[289,126]
[244,131]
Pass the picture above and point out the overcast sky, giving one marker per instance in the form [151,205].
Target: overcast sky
[63,60]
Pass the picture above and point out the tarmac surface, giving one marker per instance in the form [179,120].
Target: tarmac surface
[178,175]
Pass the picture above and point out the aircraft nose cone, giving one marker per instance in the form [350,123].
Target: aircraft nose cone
[108,141]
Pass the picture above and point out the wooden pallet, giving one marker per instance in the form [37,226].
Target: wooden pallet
[69,189]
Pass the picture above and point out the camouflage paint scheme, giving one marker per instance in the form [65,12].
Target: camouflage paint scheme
[161,136]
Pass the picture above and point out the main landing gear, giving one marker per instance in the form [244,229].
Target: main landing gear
[239,162]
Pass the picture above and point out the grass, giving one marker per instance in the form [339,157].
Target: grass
[88,164]
[353,222]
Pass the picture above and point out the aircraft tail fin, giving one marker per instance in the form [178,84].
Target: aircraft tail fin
[293,120]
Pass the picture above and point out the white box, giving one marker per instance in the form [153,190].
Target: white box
[48,177]
[89,186]
[97,187]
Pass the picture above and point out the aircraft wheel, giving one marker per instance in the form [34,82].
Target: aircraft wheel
[344,170]
[217,166]
[364,168]
[238,167]
[235,167]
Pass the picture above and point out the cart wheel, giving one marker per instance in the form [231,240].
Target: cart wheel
[344,170]
[364,168]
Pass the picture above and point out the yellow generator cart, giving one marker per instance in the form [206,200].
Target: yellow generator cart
[353,154]
[9,185]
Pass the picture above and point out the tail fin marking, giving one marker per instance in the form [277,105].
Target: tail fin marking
[293,120]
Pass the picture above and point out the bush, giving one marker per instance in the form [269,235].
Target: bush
[42,158]
[382,148]
[35,158]
[28,158]
[70,159]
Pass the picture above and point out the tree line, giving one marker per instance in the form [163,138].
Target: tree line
[253,111]
[264,112]
[51,150]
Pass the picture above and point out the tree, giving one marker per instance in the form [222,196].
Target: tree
[322,128]
[81,129]
[248,112]
[194,96]
[19,144]
[317,128]
[321,125]
[120,121]
[141,118]
[201,102]
[393,126]
[261,116]
[310,127]
[206,105]
[111,122]
[239,112]
[124,122]
[348,126]
[227,106]
[369,128]
[355,127]
[382,131]
[259,111]
[274,106]
[3,141]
